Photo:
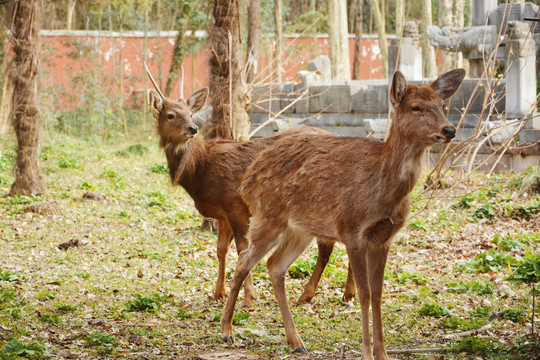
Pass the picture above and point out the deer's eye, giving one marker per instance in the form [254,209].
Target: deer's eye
[415,108]
[170,116]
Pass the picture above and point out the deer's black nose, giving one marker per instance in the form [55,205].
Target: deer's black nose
[193,129]
[449,132]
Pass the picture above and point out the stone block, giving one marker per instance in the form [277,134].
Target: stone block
[370,99]
[330,99]
[375,128]
[475,89]
[334,120]
[321,64]
[288,95]
[266,98]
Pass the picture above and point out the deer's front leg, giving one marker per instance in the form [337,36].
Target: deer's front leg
[223,244]
[357,259]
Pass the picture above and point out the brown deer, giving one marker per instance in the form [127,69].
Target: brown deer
[210,171]
[353,190]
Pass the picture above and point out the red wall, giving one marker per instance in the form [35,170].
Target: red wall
[73,62]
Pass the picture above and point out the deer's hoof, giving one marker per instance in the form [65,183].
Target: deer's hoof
[300,350]
[304,299]
[228,339]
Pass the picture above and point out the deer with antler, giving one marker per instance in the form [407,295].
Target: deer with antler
[210,171]
[352,190]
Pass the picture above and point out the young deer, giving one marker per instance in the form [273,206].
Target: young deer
[210,171]
[353,190]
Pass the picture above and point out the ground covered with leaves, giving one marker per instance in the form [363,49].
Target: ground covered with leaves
[120,268]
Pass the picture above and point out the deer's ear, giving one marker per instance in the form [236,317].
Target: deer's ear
[398,89]
[155,102]
[197,100]
[448,83]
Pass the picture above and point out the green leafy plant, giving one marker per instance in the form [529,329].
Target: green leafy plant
[490,261]
[137,149]
[486,211]
[301,269]
[50,318]
[528,272]
[31,350]
[473,287]
[144,304]
[66,307]
[516,243]
[158,168]
[6,275]
[183,314]
[106,342]
[433,310]
[238,318]
[415,277]
[68,163]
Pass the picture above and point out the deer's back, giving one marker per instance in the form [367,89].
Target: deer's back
[321,184]
[214,186]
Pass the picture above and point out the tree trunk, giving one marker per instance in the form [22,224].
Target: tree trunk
[7,85]
[227,91]
[400,17]
[379,23]
[26,116]
[278,61]
[460,23]
[357,39]
[254,31]
[339,39]
[446,20]
[70,13]
[178,53]
[429,51]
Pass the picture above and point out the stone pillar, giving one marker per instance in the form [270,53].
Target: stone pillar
[410,55]
[480,14]
[521,70]
[480,11]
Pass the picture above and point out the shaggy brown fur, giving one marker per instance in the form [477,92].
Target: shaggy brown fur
[352,190]
[211,171]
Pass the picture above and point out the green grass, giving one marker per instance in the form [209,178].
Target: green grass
[146,270]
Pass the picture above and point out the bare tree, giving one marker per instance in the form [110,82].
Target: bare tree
[278,36]
[357,39]
[380,24]
[446,19]
[254,30]
[460,23]
[179,49]
[400,17]
[70,7]
[429,52]
[25,16]
[339,39]
[227,90]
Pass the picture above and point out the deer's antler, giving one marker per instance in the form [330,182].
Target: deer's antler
[153,81]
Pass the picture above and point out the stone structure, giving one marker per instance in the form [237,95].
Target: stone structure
[361,108]
[490,23]
[521,70]
[405,54]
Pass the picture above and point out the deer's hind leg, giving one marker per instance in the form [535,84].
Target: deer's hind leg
[293,243]
[223,243]
[263,237]
[325,250]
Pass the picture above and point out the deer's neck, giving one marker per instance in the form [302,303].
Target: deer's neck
[183,160]
[401,166]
